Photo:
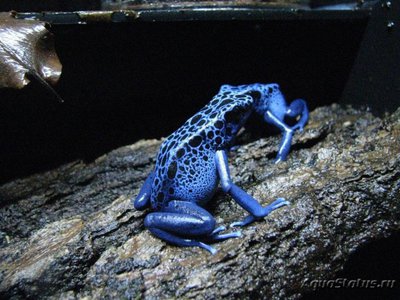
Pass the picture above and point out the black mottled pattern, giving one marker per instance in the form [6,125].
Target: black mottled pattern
[185,167]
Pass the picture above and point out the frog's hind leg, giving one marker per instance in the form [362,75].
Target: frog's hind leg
[181,222]
[142,200]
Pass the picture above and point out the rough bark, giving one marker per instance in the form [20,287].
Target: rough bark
[73,233]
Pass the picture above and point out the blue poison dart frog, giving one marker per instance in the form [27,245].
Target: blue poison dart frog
[193,160]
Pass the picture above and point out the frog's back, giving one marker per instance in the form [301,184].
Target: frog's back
[185,167]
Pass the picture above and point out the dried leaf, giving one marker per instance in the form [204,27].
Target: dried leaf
[26,48]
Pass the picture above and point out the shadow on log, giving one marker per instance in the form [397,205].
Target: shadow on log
[73,233]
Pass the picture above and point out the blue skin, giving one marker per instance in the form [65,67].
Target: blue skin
[193,160]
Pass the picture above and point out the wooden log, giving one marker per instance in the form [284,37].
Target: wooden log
[72,232]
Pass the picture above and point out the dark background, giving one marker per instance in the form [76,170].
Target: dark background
[125,82]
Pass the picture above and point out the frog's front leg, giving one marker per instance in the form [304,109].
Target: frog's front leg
[275,115]
[182,221]
[240,196]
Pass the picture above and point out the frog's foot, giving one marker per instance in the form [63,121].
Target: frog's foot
[249,219]
[221,237]
[298,127]
[214,236]
[183,223]
[268,209]
[178,241]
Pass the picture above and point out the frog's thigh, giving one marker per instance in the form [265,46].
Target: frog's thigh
[182,218]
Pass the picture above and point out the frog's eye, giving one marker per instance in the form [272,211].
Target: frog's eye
[256,95]
[273,87]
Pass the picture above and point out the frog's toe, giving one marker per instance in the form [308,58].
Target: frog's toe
[218,229]
[220,237]
[278,203]
[249,219]
[230,235]
[210,249]
[236,224]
